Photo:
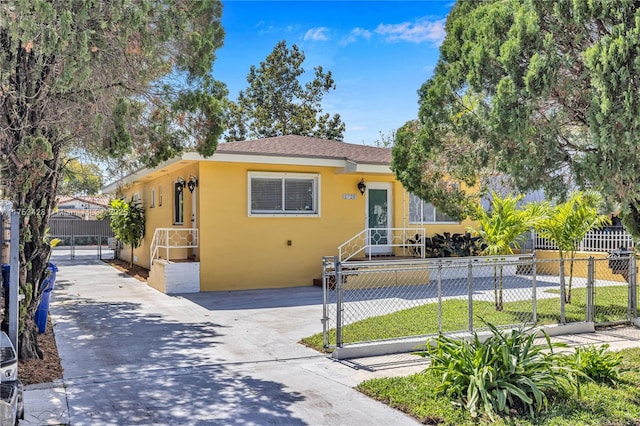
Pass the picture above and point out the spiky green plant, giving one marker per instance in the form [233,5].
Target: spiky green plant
[568,223]
[595,364]
[503,228]
[506,371]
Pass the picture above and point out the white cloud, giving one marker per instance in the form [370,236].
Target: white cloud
[416,32]
[317,34]
[354,35]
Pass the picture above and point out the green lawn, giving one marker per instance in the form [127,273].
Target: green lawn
[599,405]
[611,305]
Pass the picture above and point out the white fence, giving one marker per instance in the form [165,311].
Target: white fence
[606,240]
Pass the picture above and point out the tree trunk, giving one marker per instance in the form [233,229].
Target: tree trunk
[497,288]
[500,305]
[33,195]
[567,295]
[28,346]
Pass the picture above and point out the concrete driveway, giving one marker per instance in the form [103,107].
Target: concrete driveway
[132,355]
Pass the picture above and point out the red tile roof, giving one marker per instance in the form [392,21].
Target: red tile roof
[98,200]
[303,146]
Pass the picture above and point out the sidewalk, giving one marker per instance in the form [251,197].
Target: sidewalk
[132,355]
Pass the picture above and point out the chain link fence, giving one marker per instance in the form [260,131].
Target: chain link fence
[392,300]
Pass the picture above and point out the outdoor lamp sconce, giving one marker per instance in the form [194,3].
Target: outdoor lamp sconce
[361,186]
[180,185]
[193,182]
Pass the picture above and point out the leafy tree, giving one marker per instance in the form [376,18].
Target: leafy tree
[127,222]
[386,140]
[503,228]
[543,92]
[276,104]
[126,79]
[80,178]
[432,174]
[568,223]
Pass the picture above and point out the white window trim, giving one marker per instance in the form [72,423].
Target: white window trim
[435,222]
[153,198]
[283,175]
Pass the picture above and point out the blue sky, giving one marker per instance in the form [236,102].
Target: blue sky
[380,53]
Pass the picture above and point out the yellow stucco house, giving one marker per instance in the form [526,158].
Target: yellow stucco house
[263,213]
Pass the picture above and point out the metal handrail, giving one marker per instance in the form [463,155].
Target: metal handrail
[164,238]
[395,237]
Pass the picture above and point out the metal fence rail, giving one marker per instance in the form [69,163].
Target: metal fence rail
[374,301]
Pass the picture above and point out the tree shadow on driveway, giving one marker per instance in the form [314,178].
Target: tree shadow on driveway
[132,363]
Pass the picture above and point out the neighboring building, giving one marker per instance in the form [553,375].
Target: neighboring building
[81,207]
[263,213]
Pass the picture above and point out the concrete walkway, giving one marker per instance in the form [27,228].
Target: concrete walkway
[132,355]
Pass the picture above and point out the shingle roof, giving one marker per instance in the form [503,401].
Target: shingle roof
[303,146]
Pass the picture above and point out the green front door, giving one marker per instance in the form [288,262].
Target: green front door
[378,218]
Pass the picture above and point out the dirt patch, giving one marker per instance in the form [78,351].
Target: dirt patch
[48,369]
[137,272]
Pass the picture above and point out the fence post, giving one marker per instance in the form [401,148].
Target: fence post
[534,290]
[325,338]
[470,296]
[590,290]
[338,269]
[562,292]
[440,298]
[633,295]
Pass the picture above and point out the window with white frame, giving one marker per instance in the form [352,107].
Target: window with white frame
[152,202]
[287,194]
[422,212]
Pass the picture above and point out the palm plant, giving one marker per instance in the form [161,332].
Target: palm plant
[568,223]
[127,222]
[503,229]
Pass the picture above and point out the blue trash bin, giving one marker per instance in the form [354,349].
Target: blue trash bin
[43,308]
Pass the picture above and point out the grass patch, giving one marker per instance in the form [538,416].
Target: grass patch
[416,395]
[611,305]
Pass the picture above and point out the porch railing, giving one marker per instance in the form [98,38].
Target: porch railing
[172,238]
[409,241]
[606,240]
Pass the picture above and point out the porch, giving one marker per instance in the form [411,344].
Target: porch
[174,264]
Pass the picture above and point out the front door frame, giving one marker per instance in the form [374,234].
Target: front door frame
[383,248]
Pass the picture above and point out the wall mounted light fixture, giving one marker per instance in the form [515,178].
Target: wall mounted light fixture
[361,186]
[193,183]
[180,185]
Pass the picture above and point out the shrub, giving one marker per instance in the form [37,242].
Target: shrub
[592,364]
[506,372]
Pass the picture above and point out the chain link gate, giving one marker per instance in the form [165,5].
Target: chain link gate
[82,239]
[394,300]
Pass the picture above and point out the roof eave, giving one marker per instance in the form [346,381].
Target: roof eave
[345,165]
